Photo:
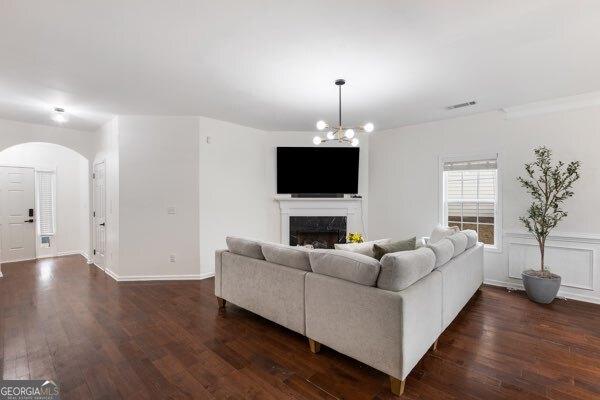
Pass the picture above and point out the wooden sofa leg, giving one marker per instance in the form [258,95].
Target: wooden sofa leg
[315,346]
[397,386]
[221,302]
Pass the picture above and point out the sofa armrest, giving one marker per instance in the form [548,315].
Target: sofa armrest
[389,331]
[218,274]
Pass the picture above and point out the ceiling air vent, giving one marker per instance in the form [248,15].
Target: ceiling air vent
[461,105]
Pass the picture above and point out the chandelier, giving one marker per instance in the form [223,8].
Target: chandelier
[341,133]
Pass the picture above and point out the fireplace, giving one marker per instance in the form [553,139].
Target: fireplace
[320,232]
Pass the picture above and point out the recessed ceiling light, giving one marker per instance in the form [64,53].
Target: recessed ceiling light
[59,115]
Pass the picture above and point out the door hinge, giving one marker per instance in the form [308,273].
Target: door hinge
[94,251]
[94,213]
[94,175]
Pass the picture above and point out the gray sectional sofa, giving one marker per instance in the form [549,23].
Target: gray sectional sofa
[386,314]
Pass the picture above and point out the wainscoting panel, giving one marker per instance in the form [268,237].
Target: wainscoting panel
[572,256]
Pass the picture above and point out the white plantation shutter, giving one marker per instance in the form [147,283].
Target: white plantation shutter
[470,198]
[46,206]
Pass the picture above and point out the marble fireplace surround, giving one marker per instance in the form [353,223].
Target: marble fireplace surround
[319,207]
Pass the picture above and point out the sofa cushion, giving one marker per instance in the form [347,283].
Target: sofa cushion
[380,250]
[472,237]
[347,265]
[443,250]
[440,232]
[245,247]
[459,240]
[365,248]
[402,269]
[294,257]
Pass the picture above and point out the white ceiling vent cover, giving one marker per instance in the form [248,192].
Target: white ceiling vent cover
[461,105]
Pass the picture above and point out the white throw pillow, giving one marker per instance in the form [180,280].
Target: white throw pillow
[440,232]
[365,248]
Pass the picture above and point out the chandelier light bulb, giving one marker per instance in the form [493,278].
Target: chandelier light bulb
[354,142]
[317,140]
[349,133]
[321,125]
[368,127]
[330,135]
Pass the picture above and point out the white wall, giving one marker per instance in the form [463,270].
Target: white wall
[72,188]
[403,175]
[236,194]
[13,132]
[158,169]
[238,183]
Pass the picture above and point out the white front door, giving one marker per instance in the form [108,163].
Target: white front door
[99,214]
[17,213]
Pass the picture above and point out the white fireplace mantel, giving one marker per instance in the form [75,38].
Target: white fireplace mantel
[348,207]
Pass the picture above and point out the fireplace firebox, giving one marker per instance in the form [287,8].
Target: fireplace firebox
[319,232]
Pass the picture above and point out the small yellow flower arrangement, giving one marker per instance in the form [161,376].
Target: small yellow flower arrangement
[355,237]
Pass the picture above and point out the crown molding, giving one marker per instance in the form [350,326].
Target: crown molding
[585,100]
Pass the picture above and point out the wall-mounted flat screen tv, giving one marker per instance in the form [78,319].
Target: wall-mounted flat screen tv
[317,170]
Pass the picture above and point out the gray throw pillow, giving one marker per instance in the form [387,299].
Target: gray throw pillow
[379,250]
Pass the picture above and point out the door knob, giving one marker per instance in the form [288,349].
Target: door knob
[103,224]
[29,220]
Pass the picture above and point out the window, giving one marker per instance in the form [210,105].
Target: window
[46,203]
[470,197]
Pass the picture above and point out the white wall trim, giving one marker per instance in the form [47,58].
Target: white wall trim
[574,256]
[561,293]
[87,258]
[149,278]
[555,105]
[70,253]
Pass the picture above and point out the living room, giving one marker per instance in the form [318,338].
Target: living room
[300,200]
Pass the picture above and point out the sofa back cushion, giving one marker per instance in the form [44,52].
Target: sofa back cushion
[459,240]
[472,237]
[402,269]
[245,247]
[443,250]
[347,265]
[365,248]
[441,232]
[290,256]
[380,250]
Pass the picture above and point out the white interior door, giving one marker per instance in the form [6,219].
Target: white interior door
[17,213]
[100,214]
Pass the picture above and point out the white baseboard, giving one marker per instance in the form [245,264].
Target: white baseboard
[149,278]
[519,286]
[87,258]
[110,273]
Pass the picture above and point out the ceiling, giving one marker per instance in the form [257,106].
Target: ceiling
[271,64]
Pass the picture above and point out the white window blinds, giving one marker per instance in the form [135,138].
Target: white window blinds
[46,206]
[470,196]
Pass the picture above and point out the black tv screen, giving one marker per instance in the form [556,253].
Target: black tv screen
[317,170]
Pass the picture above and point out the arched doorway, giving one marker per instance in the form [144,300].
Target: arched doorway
[49,185]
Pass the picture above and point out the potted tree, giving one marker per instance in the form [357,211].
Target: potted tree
[549,185]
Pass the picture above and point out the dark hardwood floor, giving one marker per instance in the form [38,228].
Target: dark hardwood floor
[64,320]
